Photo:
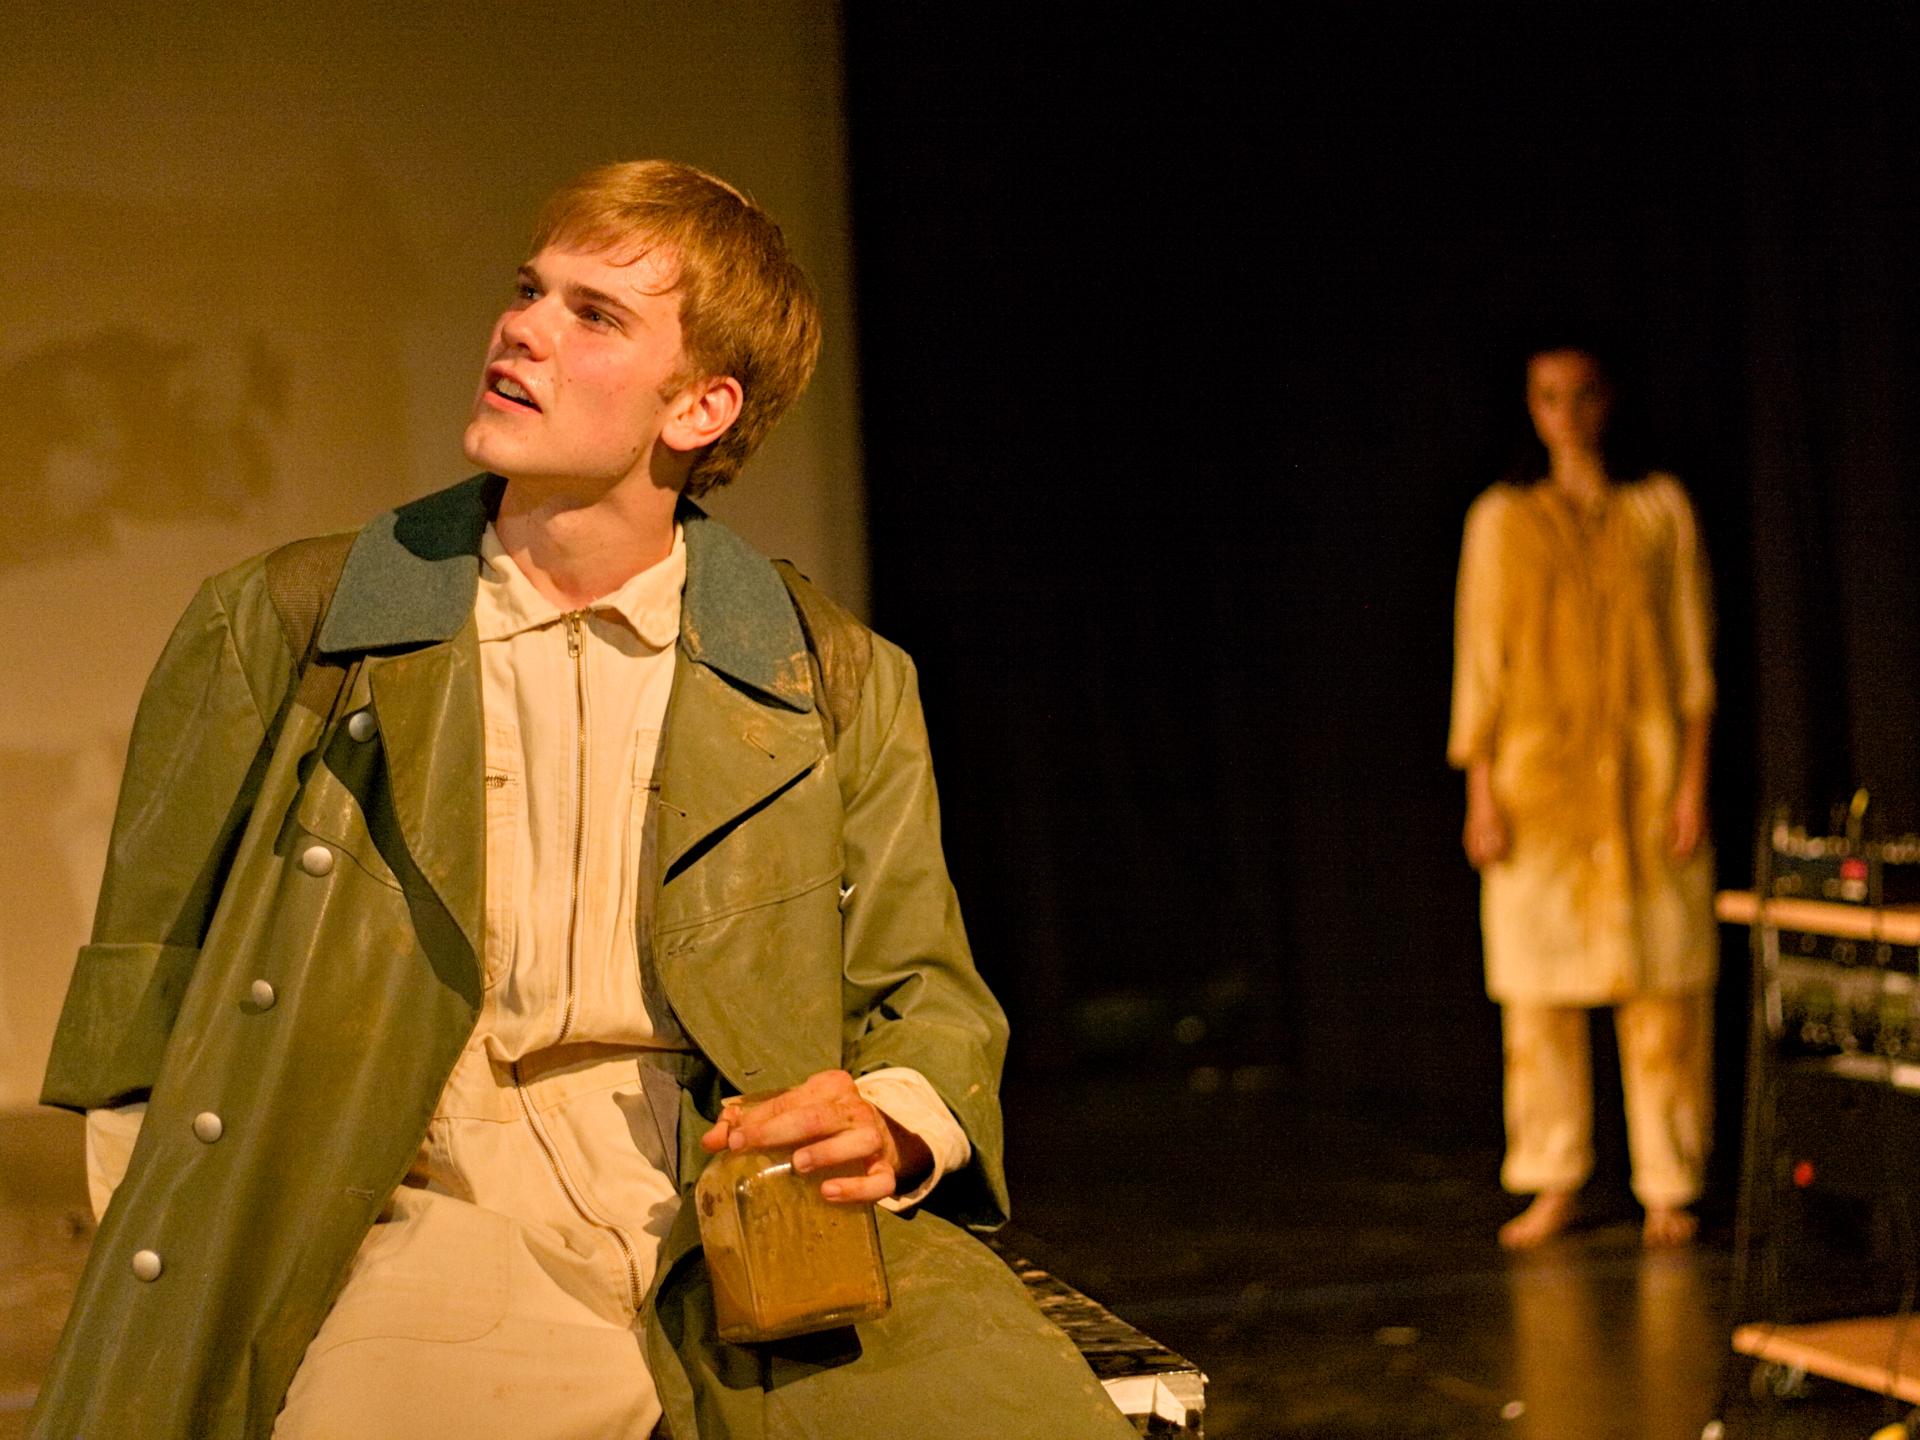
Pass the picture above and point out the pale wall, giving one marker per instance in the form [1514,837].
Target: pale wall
[251,261]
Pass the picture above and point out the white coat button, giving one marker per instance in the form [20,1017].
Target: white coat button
[262,995]
[208,1126]
[147,1265]
[361,725]
[316,860]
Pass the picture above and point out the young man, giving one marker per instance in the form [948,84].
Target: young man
[435,931]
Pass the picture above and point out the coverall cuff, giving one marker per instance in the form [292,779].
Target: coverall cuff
[907,1098]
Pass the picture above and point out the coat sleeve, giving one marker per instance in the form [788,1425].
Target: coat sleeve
[1479,659]
[910,991]
[193,768]
[1690,614]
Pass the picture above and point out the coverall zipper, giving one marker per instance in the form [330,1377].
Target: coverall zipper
[578,653]
[573,1196]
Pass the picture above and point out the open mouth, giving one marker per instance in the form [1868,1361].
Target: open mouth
[510,389]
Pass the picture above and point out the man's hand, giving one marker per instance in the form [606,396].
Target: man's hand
[1485,836]
[832,1125]
[1688,822]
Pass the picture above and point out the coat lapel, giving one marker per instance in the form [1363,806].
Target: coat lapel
[406,594]
[427,703]
[724,753]
[740,725]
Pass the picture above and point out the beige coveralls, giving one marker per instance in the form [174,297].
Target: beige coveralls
[1583,646]
[498,1295]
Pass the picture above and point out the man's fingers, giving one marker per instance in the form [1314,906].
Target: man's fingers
[826,1108]
[829,1124]
[715,1139]
[877,1184]
[764,1125]
[841,1149]
[800,1124]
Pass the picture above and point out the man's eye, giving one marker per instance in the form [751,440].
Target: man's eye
[595,317]
[524,291]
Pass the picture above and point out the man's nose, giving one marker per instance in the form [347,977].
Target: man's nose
[528,328]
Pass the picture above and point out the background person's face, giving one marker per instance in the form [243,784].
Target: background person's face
[1569,400]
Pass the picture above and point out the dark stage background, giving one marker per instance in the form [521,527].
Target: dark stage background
[1186,342]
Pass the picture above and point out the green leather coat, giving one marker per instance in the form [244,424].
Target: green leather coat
[319,1015]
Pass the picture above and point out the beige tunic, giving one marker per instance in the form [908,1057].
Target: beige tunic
[1583,645]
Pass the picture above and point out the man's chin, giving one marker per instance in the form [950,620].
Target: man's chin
[484,450]
[473,445]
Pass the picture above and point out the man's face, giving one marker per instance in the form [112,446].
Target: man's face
[576,366]
[1569,400]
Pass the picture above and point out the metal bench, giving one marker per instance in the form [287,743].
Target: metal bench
[1162,1393]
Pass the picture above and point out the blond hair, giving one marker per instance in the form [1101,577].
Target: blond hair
[746,309]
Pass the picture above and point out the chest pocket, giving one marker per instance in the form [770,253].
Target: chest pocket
[787,845]
[506,826]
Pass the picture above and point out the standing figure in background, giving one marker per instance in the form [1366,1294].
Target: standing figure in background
[1582,694]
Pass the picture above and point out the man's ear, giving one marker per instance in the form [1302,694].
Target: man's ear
[702,413]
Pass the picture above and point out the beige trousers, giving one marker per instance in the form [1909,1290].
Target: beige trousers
[497,1297]
[1666,1058]
[496,1351]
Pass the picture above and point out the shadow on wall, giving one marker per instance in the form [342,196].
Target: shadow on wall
[235,378]
[115,428]
[120,421]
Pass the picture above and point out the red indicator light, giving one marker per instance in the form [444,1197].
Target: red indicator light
[1853,868]
[1803,1174]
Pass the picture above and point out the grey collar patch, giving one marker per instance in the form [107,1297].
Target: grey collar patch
[411,574]
[737,615]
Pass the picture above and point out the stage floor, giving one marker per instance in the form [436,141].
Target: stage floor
[1335,1275]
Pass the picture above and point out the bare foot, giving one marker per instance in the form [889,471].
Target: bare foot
[1547,1216]
[1668,1227]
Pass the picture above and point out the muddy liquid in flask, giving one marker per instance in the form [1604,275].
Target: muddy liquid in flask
[783,1260]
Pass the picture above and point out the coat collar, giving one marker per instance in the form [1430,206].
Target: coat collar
[411,575]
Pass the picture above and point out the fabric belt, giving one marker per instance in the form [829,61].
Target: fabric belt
[542,1063]
[663,1074]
